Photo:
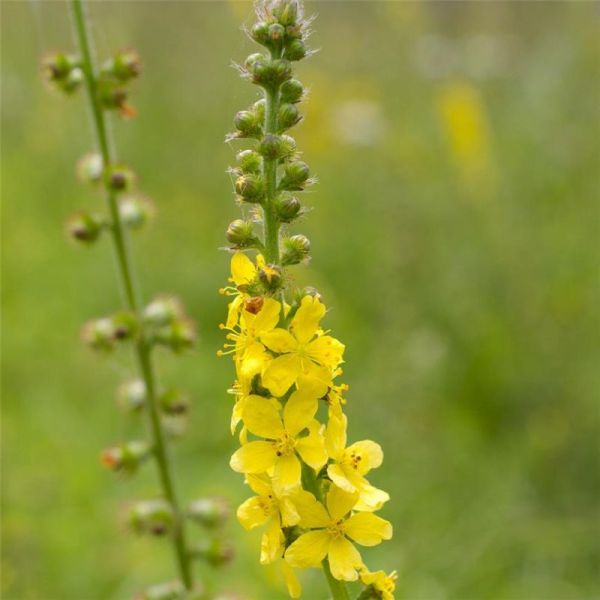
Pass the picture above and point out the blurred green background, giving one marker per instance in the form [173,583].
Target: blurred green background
[455,236]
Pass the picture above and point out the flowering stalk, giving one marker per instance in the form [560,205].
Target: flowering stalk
[311,493]
[162,322]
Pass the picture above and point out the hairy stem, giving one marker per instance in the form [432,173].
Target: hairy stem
[125,273]
[311,484]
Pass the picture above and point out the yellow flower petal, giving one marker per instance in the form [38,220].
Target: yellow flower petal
[335,436]
[298,412]
[312,512]
[312,447]
[305,323]
[233,311]
[253,360]
[369,454]
[344,560]
[311,386]
[338,476]
[253,512]
[260,484]
[253,457]
[339,502]
[243,270]
[371,498]
[261,417]
[308,550]
[368,529]
[326,351]
[289,513]
[291,581]
[279,340]
[271,545]
[268,316]
[281,373]
[287,472]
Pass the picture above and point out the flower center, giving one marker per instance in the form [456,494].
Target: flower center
[353,460]
[336,529]
[285,445]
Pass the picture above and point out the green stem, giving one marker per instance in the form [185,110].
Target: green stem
[125,270]
[311,484]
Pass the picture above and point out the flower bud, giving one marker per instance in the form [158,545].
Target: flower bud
[247,124]
[260,108]
[163,310]
[295,50]
[240,234]
[269,73]
[214,551]
[285,11]
[126,457]
[131,395]
[210,512]
[296,249]
[113,97]
[295,176]
[125,325]
[292,91]
[250,187]
[179,335]
[271,277]
[90,168]
[249,161]
[288,116]
[287,207]
[170,590]
[273,147]
[255,59]
[99,334]
[276,34]
[85,227]
[260,33]
[62,70]
[73,80]
[174,402]
[151,516]
[121,178]
[135,210]
[124,66]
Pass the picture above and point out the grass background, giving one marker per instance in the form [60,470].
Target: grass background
[455,236]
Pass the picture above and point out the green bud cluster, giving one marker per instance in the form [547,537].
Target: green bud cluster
[268,174]
[144,327]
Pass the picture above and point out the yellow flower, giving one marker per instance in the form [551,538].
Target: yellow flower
[303,349]
[250,355]
[384,584]
[276,454]
[351,464]
[331,529]
[267,508]
[243,273]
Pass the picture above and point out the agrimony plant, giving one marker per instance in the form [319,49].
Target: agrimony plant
[144,326]
[311,492]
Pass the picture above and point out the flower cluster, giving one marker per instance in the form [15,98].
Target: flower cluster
[311,493]
[144,327]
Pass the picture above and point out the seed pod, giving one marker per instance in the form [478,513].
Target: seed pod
[287,207]
[210,512]
[85,227]
[135,210]
[99,334]
[249,161]
[292,91]
[174,402]
[240,234]
[296,249]
[124,66]
[90,168]
[151,516]
[126,457]
[296,174]
[250,187]
[214,551]
[288,116]
[163,310]
[131,395]
[121,178]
